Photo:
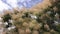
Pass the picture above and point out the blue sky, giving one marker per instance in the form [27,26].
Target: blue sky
[9,4]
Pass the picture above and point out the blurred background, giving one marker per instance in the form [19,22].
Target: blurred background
[29,16]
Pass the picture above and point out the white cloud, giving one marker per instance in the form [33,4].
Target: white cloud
[13,3]
[3,6]
[21,0]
